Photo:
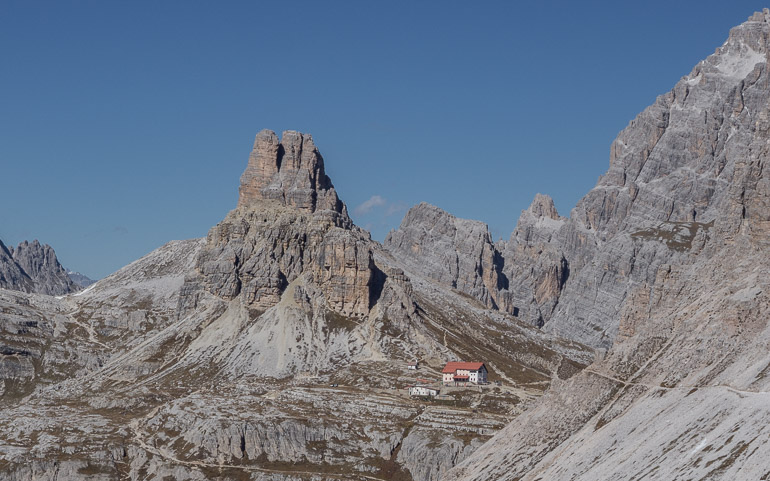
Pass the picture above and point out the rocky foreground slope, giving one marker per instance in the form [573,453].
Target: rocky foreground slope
[275,348]
[681,245]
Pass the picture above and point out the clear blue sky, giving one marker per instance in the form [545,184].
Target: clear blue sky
[127,124]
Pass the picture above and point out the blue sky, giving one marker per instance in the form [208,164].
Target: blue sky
[127,124]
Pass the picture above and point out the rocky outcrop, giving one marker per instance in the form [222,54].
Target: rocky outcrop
[523,276]
[33,267]
[456,252]
[345,268]
[289,221]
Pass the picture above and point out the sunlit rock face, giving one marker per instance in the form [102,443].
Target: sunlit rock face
[289,222]
[456,252]
[679,256]
[291,172]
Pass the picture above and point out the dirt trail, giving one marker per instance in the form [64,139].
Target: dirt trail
[671,388]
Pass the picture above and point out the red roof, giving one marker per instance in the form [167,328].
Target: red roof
[454,366]
[460,377]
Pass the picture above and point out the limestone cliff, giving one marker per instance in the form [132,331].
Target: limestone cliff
[12,276]
[523,276]
[534,263]
[456,252]
[291,172]
[41,265]
[679,230]
[289,222]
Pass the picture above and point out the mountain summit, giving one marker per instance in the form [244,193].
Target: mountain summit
[291,172]
[289,224]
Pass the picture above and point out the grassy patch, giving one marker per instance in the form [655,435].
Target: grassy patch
[336,321]
[677,236]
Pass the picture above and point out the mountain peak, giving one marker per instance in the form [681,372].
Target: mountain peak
[33,267]
[290,171]
[542,206]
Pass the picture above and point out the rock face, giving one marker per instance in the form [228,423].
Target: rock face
[289,223]
[291,172]
[535,266]
[672,168]
[41,265]
[455,252]
[677,235]
[12,276]
[33,267]
[523,276]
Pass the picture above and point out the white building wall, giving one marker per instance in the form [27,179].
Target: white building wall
[422,391]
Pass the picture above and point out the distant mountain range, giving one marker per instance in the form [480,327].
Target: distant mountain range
[80,279]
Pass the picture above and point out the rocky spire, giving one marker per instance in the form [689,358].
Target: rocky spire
[542,206]
[538,223]
[261,247]
[290,171]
